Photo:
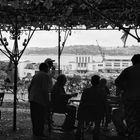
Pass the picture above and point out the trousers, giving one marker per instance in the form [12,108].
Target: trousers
[38,114]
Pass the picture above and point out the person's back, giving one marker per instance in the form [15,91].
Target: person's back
[132,88]
[91,107]
[39,100]
[39,88]
[128,83]
[92,97]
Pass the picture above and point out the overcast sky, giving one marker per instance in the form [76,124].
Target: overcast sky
[104,37]
[107,38]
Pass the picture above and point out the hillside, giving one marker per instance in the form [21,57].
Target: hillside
[85,49]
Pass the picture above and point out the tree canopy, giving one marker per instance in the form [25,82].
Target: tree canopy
[69,13]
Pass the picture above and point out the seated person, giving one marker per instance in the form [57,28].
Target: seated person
[106,93]
[91,108]
[60,104]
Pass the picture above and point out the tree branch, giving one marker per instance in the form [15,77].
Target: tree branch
[29,38]
[5,53]
[65,39]
[8,51]
[108,19]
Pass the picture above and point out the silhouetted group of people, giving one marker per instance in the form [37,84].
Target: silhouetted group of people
[44,94]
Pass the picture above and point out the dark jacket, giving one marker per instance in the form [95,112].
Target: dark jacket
[39,88]
[129,82]
[92,103]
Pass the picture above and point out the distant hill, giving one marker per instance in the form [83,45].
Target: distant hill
[85,49]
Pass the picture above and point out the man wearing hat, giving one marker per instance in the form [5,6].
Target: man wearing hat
[128,83]
[51,72]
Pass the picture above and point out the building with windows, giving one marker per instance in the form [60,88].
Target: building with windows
[81,64]
[110,64]
[117,64]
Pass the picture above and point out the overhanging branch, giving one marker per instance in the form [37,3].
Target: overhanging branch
[65,39]
[110,20]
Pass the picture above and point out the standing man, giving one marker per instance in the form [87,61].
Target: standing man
[51,72]
[39,100]
[128,83]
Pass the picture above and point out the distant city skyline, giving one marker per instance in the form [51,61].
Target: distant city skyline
[105,38]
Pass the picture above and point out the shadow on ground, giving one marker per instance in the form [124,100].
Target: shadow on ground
[87,136]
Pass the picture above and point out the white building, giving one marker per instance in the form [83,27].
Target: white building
[22,71]
[83,64]
[90,63]
[117,63]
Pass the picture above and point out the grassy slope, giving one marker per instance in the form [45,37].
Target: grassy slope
[24,131]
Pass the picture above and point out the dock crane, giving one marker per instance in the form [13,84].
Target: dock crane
[101,51]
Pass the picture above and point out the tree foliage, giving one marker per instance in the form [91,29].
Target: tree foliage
[69,13]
